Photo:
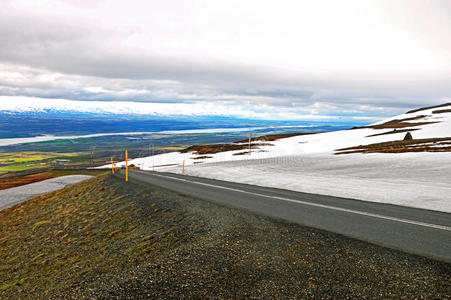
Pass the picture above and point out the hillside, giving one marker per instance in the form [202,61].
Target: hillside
[372,163]
[105,238]
[429,127]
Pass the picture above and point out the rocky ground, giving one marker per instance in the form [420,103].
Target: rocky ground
[105,238]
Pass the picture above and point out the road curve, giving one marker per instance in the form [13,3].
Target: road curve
[412,230]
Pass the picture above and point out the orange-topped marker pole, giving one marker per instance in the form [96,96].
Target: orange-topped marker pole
[126,165]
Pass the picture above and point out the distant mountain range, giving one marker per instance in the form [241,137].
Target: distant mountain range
[59,123]
[74,107]
[29,117]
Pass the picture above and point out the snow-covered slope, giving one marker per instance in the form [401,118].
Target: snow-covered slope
[438,125]
[308,162]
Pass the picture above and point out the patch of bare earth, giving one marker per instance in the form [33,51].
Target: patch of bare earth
[394,131]
[241,153]
[14,181]
[202,157]
[22,180]
[256,142]
[397,123]
[414,145]
[217,148]
[427,108]
[276,137]
[132,166]
[441,111]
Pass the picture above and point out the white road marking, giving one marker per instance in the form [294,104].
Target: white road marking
[358,212]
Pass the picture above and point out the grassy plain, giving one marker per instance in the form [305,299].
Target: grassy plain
[77,152]
[19,161]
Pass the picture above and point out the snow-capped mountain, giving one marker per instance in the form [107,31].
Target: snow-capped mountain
[63,106]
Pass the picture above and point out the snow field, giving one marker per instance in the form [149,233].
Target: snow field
[307,163]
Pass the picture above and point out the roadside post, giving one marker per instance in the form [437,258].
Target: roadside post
[126,165]
[112,165]
[183,168]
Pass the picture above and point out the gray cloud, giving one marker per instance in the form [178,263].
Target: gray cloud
[59,53]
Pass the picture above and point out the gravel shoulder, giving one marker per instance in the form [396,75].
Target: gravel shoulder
[107,239]
[12,196]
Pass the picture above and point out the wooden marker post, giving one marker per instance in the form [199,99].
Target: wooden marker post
[183,168]
[126,165]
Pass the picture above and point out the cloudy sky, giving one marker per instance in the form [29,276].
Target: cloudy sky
[264,59]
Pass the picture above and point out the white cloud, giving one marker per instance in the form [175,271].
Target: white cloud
[322,57]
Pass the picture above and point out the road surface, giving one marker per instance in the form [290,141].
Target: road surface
[412,230]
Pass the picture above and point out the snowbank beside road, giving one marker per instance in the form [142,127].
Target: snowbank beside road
[421,180]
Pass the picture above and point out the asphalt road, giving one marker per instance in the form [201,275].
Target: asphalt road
[412,230]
